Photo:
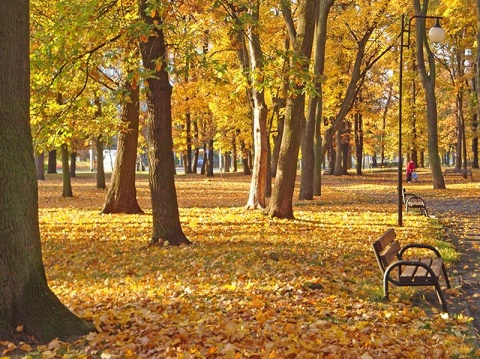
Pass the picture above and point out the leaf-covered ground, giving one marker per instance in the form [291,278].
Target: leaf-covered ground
[250,286]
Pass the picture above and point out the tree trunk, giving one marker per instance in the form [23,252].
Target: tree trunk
[246,167]
[256,198]
[26,301]
[122,194]
[338,159]
[39,166]
[317,101]
[281,203]
[234,153]
[52,162]
[100,176]
[73,164]
[209,162]
[475,141]
[188,165]
[476,86]
[277,140]
[428,81]
[166,217]
[358,141]
[67,184]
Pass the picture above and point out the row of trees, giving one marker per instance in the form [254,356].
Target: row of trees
[230,73]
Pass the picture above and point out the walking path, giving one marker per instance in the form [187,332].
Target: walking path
[461,216]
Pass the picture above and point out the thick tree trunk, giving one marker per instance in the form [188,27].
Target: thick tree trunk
[26,301]
[428,81]
[281,203]
[67,184]
[122,194]
[166,217]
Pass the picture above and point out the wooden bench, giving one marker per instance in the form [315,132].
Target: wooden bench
[411,200]
[464,172]
[409,272]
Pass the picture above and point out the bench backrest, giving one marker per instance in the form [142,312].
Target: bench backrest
[386,249]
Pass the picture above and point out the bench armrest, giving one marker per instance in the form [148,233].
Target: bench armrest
[400,263]
[418,245]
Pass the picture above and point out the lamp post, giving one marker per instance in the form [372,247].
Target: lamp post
[436,34]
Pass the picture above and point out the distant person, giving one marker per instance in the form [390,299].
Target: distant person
[410,170]
[414,176]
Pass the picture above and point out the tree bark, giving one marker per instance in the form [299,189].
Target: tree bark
[475,125]
[73,164]
[67,184]
[258,182]
[166,217]
[428,81]
[25,298]
[311,180]
[209,162]
[281,203]
[52,161]
[39,166]
[122,194]
[100,176]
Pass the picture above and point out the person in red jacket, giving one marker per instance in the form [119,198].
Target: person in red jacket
[410,170]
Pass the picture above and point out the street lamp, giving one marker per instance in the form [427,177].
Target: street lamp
[436,34]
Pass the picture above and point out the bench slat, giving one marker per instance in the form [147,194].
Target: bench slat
[390,254]
[384,241]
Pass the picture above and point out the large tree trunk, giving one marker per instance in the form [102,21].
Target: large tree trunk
[428,81]
[122,194]
[26,301]
[166,217]
[280,204]
[258,182]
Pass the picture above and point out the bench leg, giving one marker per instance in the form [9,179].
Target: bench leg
[445,276]
[385,289]
[441,298]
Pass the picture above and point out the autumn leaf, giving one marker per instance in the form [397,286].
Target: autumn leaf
[249,286]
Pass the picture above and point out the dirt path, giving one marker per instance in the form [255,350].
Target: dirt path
[461,216]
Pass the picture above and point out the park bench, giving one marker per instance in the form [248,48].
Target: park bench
[411,200]
[409,272]
[464,172]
